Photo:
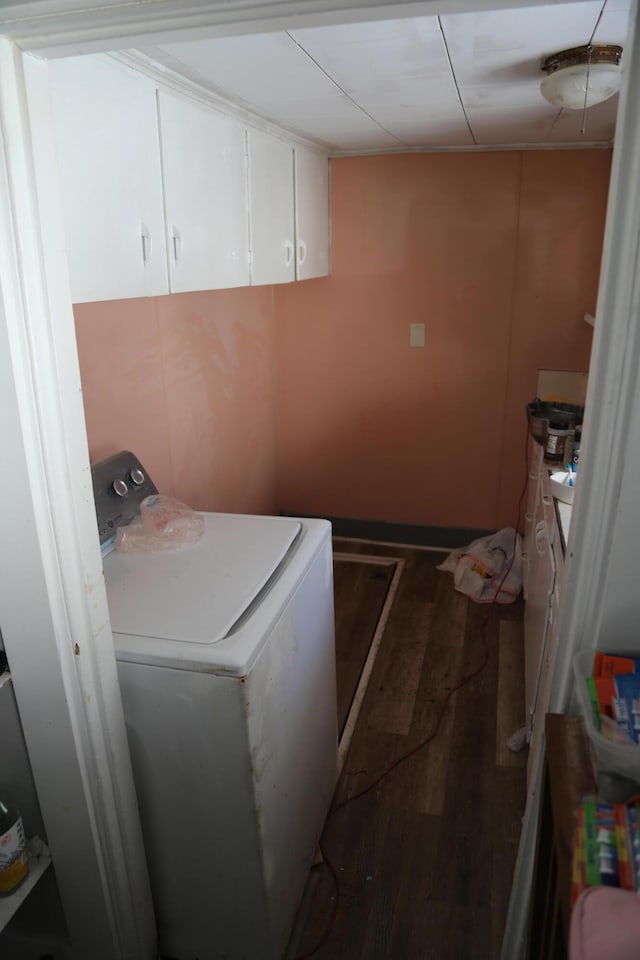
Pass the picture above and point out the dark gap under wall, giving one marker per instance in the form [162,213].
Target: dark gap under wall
[407,533]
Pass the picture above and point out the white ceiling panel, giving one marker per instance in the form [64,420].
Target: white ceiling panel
[269,68]
[379,58]
[389,113]
[341,109]
[336,128]
[492,97]
[350,137]
[508,126]
[413,82]
[408,117]
[443,133]
[343,116]
[505,46]
[418,126]
[442,92]
[614,23]
[393,70]
[599,124]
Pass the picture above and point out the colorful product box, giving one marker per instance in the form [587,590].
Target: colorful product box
[612,664]
[626,704]
[614,693]
[606,846]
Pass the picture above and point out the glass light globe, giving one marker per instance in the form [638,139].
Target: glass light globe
[566,87]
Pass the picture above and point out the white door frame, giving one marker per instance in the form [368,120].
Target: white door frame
[607,486]
[64,27]
[55,622]
[609,479]
[51,587]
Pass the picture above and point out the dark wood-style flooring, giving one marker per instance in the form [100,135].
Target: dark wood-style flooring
[425,859]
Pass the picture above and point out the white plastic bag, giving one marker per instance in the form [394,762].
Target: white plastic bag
[490,569]
[164,524]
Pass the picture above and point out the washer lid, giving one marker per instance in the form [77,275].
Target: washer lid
[197,593]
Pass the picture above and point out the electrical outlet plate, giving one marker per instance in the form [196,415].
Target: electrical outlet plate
[416,334]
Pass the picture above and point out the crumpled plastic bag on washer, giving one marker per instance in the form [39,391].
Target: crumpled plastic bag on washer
[164,524]
[490,569]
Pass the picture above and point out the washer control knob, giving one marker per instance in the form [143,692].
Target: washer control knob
[120,488]
[137,476]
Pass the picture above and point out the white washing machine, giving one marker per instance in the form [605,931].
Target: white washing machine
[226,660]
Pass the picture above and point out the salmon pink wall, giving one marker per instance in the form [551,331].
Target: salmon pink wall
[498,255]
[186,382]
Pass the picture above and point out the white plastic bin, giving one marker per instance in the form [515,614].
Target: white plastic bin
[615,758]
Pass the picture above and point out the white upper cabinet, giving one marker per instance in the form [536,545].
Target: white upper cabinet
[106,128]
[289,210]
[312,213]
[272,211]
[156,195]
[205,192]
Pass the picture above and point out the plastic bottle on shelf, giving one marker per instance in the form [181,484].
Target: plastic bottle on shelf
[575,452]
[14,860]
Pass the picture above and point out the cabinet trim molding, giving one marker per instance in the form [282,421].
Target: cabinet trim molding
[153,64]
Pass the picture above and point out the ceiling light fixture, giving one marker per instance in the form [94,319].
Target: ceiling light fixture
[582,76]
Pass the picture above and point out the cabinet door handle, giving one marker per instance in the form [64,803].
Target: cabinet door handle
[145,233]
[288,253]
[302,252]
[176,238]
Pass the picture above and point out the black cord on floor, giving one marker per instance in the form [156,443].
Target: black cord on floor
[381,777]
[423,743]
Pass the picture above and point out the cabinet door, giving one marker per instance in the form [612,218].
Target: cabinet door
[312,213]
[106,130]
[204,170]
[271,209]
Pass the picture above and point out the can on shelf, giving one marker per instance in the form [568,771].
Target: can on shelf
[557,433]
[14,859]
